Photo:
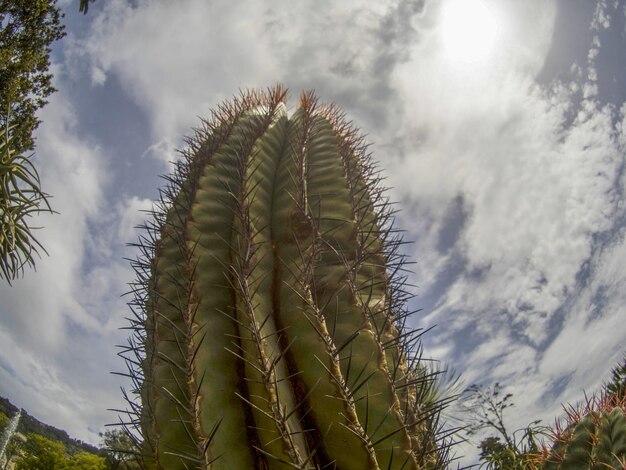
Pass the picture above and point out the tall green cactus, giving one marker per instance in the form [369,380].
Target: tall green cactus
[270,308]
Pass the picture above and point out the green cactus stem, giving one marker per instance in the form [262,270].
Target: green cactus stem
[592,437]
[270,308]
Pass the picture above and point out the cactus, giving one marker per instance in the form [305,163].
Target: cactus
[592,437]
[269,305]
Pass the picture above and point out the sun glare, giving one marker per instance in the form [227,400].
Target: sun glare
[469,30]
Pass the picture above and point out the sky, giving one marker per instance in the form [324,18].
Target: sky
[500,126]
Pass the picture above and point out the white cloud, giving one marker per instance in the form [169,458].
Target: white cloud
[540,191]
[132,213]
[535,190]
[177,59]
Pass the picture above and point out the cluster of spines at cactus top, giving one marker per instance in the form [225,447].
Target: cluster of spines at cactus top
[590,436]
[270,307]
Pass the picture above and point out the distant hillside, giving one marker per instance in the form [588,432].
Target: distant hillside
[28,424]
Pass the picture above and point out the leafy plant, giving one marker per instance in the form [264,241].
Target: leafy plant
[4,421]
[20,199]
[270,307]
[119,450]
[484,408]
[84,461]
[28,28]
[40,453]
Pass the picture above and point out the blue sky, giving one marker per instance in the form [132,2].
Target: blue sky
[501,128]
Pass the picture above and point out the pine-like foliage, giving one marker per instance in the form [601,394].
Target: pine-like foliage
[617,384]
[269,328]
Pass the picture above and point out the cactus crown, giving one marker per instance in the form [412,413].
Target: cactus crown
[590,436]
[269,306]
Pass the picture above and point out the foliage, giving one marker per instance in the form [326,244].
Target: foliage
[484,407]
[20,199]
[84,461]
[119,450]
[4,421]
[28,424]
[498,456]
[29,27]
[40,453]
[617,384]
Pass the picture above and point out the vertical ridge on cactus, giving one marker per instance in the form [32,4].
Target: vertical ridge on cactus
[269,328]
[592,436]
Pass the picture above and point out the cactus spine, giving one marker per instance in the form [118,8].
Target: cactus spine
[592,437]
[269,329]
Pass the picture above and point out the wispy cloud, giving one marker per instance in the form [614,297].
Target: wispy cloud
[537,171]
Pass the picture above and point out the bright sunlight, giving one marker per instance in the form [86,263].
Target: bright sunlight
[469,30]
